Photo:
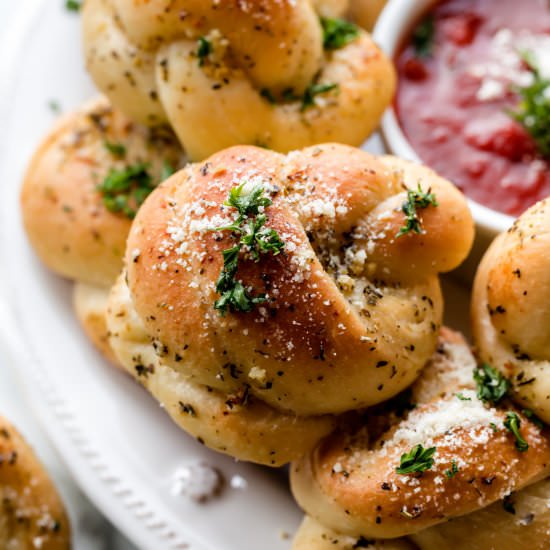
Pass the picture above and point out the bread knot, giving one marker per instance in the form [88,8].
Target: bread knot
[294,280]
[280,74]
[511,308]
[438,452]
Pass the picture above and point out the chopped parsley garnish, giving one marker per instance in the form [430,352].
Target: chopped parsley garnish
[125,190]
[452,471]
[512,424]
[492,386]
[73,5]
[204,50]
[462,397]
[54,106]
[423,37]
[416,199]
[313,90]
[533,112]
[267,94]
[417,459]
[337,33]
[252,234]
[307,99]
[116,149]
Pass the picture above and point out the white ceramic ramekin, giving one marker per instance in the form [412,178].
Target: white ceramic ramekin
[392,28]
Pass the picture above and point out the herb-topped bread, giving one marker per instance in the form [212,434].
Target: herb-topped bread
[279,74]
[302,285]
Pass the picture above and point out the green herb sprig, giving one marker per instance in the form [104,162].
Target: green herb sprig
[452,471]
[125,190]
[423,37]
[417,459]
[492,386]
[312,91]
[252,233]
[337,33]
[416,199]
[204,50]
[116,149]
[533,112]
[513,423]
[462,397]
[73,5]
[307,98]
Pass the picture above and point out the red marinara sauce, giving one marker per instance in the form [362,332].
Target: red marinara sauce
[453,101]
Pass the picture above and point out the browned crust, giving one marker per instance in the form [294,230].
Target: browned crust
[353,487]
[318,354]
[511,307]
[64,216]
[32,514]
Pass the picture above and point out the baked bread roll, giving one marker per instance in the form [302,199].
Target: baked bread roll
[451,455]
[77,227]
[227,73]
[511,308]
[521,521]
[32,514]
[64,212]
[314,536]
[349,311]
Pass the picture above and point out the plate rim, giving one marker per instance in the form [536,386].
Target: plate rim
[86,461]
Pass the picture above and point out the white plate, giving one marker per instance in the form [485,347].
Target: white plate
[120,446]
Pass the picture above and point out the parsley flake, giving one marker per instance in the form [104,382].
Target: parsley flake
[267,94]
[54,106]
[73,5]
[512,424]
[253,235]
[462,397]
[533,112]
[307,99]
[125,190]
[452,471]
[416,199]
[204,50]
[423,37]
[492,386]
[417,459]
[337,33]
[312,91]
[116,149]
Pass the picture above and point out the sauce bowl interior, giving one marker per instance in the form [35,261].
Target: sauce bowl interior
[392,28]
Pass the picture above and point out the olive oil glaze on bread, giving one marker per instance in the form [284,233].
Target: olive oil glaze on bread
[350,311]
[32,514]
[263,72]
[66,215]
[352,488]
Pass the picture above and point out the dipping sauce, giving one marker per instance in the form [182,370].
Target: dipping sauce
[461,72]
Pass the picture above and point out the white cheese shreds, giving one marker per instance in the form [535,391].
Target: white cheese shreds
[197,480]
[505,67]
[448,415]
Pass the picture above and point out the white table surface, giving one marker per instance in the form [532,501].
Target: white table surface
[92,531]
